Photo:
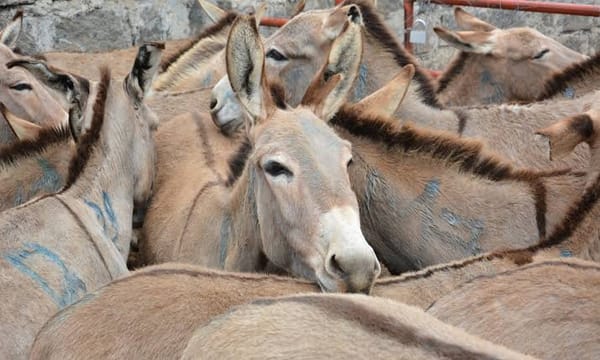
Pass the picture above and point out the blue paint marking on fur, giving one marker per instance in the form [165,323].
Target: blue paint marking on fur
[50,182]
[106,216]
[565,253]
[72,287]
[569,93]
[208,80]
[224,240]
[360,87]
[424,205]
[497,94]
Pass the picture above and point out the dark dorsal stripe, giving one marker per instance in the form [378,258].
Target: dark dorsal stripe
[11,154]
[227,20]
[377,28]
[87,142]
[576,72]
[237,162]
[457,66]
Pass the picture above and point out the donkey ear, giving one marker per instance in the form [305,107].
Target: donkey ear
[145,68]
[565,134]
[245,61]
[466,21]
[387,99]
[344,59]
[75,90]
[337,21]
[23,129]
[299,7]
[214,12]
[479,42]
[10,34]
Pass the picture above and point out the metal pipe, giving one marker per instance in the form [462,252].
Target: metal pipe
[273,21]
[532,6]
[408,24]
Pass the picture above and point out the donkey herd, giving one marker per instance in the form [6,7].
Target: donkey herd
[459,211]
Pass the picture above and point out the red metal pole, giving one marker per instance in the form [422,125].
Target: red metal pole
[408,24]
[273,21]
[526,5]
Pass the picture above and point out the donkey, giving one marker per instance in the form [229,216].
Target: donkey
[309,35]
[341,327]
[188,296]
[407,178]
[36,165]
[257,208]
[576,80]
[58,247]
[20,93]
[498,65]
[547,309]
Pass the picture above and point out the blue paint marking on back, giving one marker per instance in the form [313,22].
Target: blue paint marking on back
[106,216]
[565,253]
[360,87]
[50,182]
[569,93]
[72,287]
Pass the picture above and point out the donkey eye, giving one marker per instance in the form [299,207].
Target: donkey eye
[21,87]
[275,169]
[541,54]
[276,55]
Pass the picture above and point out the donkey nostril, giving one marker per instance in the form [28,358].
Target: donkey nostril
[213,104]
[334,266]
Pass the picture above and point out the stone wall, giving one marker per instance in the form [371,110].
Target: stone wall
[96,25]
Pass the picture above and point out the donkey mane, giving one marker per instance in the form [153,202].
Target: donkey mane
[560,80]
[454,69]
[376,27]
[208,32]
[468,154]
[88,140]
[11,154]
[237,162]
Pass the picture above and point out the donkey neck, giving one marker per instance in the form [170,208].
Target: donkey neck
[241,245]
[103,191]
[468,81]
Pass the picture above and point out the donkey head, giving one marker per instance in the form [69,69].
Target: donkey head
[20,93]
[307,212]
[124,100]
[294,54]
[508,54]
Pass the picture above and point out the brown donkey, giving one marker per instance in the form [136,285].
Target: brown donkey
[548,309]
[56,248]
[20,93]
[498,65]
[327,326]
[289,206]
[188,296]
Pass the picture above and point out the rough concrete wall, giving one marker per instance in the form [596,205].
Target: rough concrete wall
[96,25]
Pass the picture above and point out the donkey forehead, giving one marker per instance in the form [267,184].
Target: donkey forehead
[518,38]
[300,132]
